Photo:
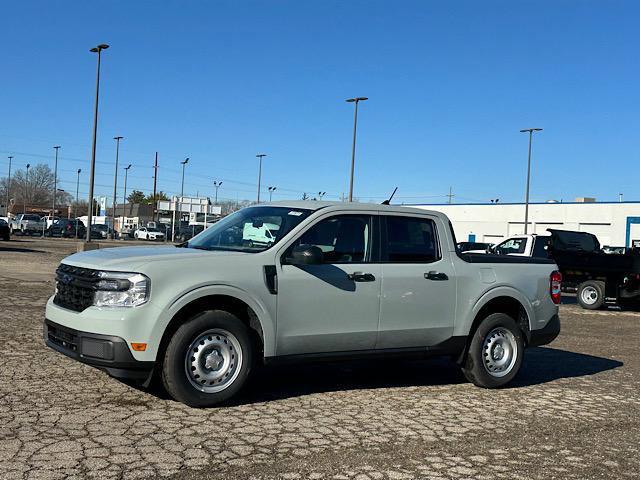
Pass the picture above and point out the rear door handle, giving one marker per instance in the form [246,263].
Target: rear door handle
[361,277]
[433,275]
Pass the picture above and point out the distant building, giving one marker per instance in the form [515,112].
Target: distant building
[614,223]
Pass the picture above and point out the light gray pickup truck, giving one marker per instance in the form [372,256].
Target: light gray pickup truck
[335,280]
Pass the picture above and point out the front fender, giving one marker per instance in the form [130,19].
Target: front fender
[262,311]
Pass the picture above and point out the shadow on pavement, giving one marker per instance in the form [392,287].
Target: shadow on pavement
[541,365]
[7,247]
[544,364]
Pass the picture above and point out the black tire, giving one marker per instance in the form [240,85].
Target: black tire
[180,384]
[590,294]
[7,238]
[480,366]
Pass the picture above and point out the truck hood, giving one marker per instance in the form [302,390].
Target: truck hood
[133,258]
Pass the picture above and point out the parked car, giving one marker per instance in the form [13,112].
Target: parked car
[48,220]
[67,228]
[598,278]
[187,232]
[5,231]
[149,233]
[474,247]
[339,280]
[27,224]
[100,231]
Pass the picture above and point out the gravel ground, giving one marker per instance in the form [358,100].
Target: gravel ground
[572,413]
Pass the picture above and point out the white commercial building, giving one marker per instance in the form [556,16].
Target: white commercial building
[615,224]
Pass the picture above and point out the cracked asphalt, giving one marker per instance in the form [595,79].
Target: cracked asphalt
[573,412]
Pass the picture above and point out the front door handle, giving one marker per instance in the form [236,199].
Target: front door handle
[361,277]
[433,275]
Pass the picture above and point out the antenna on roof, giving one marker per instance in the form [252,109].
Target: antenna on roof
[388,201]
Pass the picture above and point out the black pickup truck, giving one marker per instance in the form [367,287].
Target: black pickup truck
[598,278]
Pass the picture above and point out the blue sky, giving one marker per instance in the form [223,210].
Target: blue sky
[450,84]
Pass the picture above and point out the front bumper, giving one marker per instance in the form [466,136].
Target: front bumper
[546,334]
[106,352]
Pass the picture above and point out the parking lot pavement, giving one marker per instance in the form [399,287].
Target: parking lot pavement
[572,413]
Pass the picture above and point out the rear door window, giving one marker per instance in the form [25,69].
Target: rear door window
[409,240]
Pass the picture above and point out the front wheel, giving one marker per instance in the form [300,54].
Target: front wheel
[208,359]
[591,294]
[495,353]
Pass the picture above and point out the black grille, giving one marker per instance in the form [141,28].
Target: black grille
[62,337]
[76,287]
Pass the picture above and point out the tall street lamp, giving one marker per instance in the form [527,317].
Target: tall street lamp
[355,100]
[260,157]
[97,50]
[26,188]
[271,190]
[186,160]
[217,186]
[321,194]
[8,189]
[55,184]
[77,198]
[124,197]
[115,185]
[526,200]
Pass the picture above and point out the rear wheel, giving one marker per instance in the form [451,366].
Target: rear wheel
[495,353]
[591,294]
[208,359]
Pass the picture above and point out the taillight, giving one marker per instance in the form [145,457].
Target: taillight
[555,286]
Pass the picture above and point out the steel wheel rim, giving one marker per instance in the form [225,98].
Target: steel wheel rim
[589,295]
[499,352]
[213,360]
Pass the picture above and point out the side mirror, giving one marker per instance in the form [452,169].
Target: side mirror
[490,249]
[306,255]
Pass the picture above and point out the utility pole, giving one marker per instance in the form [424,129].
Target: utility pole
[619,195]
[155,182]
[26,189]
[451,195]
[260,156]
[97,50]
[55,185]
[112,235]
[526,201]
[124,197]
[77,198]
[8,189]
[217,186]
[355,100]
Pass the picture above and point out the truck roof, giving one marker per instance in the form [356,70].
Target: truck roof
[318,204]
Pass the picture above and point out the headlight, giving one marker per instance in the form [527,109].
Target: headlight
[119,289]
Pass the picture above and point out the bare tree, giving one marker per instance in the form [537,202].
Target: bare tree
[36,190]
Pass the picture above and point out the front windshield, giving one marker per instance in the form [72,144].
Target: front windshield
[252,229]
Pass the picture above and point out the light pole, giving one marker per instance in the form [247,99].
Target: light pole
[355,100]
[124,197]
[55,184]
[321,194]
[186,160]
[217,186]
[271,190]
[77,193]
[26,188]
[260,157]
[8,189]
[97,50]
[115,185]
[526,200]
